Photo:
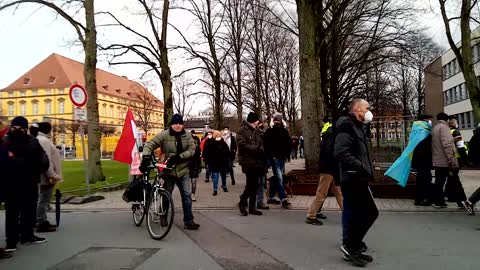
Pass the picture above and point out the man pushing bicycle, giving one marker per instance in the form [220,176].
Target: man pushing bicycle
[178,147]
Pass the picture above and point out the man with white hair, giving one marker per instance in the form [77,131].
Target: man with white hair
[356,171]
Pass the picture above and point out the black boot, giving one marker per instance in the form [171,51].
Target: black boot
[254,211]
[243,210]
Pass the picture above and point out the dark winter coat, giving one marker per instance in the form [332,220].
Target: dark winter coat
[422,155]
[327,164]
[196,161]
[277,142]
[351,150]
[294,144]
[251,152]
[217,156]
[474,147]
[21,163]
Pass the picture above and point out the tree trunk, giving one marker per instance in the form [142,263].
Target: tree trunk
[166,73]
[89,71]
[311,97]
[239,88]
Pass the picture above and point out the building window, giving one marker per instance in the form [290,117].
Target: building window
[51,80]
[11,109]
[111,111]
[35,107]
[48,91]
[61,106]
[48,106]
[60,91]
[461,123]
[23,108]
[22,93]
[34,92]
[104,110]
[119,112]
[10,94]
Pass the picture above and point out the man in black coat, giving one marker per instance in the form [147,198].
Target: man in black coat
[277,148]
[356,171]
[422,163]
[252,159]
[22,161]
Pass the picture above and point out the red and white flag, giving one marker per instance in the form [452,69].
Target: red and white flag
[127,149]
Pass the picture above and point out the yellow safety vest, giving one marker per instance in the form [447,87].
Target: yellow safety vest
[326,126]
[457,155]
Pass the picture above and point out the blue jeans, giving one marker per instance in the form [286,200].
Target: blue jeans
[183,184]
[261,190]
[276,185]
[215,176]
[43,201]
[207,172]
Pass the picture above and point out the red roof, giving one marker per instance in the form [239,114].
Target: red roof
[57,71]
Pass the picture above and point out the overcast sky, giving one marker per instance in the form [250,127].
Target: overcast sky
[32,34]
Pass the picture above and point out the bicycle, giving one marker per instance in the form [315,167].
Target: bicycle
[157,203]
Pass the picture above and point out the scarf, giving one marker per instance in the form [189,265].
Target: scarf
[178,137]
[228,139]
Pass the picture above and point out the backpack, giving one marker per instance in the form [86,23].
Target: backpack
[327,160]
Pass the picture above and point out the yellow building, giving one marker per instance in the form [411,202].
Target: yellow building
[42,94]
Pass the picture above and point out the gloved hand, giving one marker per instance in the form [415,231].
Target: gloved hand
[146,161]
[173,160]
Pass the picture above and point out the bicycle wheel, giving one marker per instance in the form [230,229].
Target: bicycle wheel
[160,214]
[138,213]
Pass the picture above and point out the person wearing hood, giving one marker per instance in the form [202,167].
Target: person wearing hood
[232,146]
[277,149]
[356,171]
[22,161]
[178,147]
[217,157]
[251,156]
[422,162]
[48,179]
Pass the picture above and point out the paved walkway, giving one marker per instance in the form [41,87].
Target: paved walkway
[229,200]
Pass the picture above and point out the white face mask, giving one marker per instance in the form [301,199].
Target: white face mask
[209,136]
[225,132]
[368,117]
[218,138]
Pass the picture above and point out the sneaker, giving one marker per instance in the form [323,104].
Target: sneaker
[243,210]
[191,226]
[225,189]
[314,221]
[262,206]
[215,193]
[193,198]
[45,227]
[355,257]
[273,201]
[4,254]
[321,216]
[363,247]
[206,180]
[255,212]
[286,204]
[10,248]
[34,240]
[365,257]
[468,206]
[438,206]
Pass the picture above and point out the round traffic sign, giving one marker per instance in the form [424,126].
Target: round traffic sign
[78,95]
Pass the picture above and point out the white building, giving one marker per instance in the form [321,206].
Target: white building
[455,95]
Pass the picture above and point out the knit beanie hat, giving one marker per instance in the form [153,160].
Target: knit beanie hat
[252,117]
[176,119]
[19,121]
[45,127]
[277,117]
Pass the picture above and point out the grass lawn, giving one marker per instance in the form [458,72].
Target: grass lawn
[74,177]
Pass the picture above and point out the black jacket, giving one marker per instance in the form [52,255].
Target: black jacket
[22,162]
[250,149]
[277,142]
[217,155]
[422,154]
[351,151]
[327,163]
[196,161]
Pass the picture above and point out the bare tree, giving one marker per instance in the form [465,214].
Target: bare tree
[209,14]
[87,35]
[151,49]
[463,53]
[182,95]
[144,105]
